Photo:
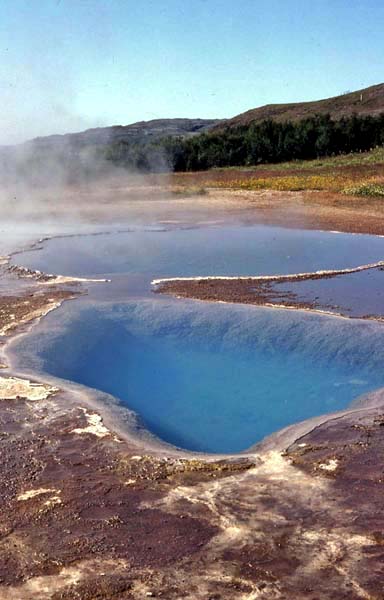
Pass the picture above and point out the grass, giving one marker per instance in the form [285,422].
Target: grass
[328,182]
[357,174]
[190,191]
[367,188]
[288,183]
[373,157]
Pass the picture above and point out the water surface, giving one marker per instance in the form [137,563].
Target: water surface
[355,295]
[207,377]
[236,250]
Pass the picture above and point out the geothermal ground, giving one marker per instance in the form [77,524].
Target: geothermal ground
[89,511]
[263,290]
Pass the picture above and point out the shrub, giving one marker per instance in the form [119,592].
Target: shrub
[369,188]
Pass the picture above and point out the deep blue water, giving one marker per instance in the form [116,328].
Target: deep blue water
[209,377]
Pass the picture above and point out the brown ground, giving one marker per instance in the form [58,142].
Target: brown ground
[241,291]
[166,199]
[259,292]
[89,515]
[15,310]
[304,210]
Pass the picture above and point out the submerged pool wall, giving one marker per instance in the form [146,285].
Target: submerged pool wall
[210,377]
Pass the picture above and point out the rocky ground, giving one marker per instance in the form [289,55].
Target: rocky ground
[90,514]
[259,291]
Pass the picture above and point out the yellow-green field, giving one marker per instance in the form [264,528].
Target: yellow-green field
[353,174]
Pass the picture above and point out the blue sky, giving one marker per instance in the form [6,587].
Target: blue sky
[67,65]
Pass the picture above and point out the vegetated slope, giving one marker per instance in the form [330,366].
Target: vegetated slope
[368,101]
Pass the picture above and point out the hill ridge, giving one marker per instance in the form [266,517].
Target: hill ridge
[133,132]
[366,101]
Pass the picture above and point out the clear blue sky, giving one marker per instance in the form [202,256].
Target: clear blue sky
[67,65]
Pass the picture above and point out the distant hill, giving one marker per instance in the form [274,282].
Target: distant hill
[91,154]
[368,101]
[279,132]
[136,133]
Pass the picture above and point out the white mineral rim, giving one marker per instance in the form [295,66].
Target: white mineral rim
[295,276]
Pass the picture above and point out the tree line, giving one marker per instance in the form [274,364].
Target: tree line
[264,142]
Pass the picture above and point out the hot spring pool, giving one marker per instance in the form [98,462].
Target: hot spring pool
[206,377]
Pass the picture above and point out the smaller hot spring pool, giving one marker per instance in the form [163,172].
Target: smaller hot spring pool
[211,377]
